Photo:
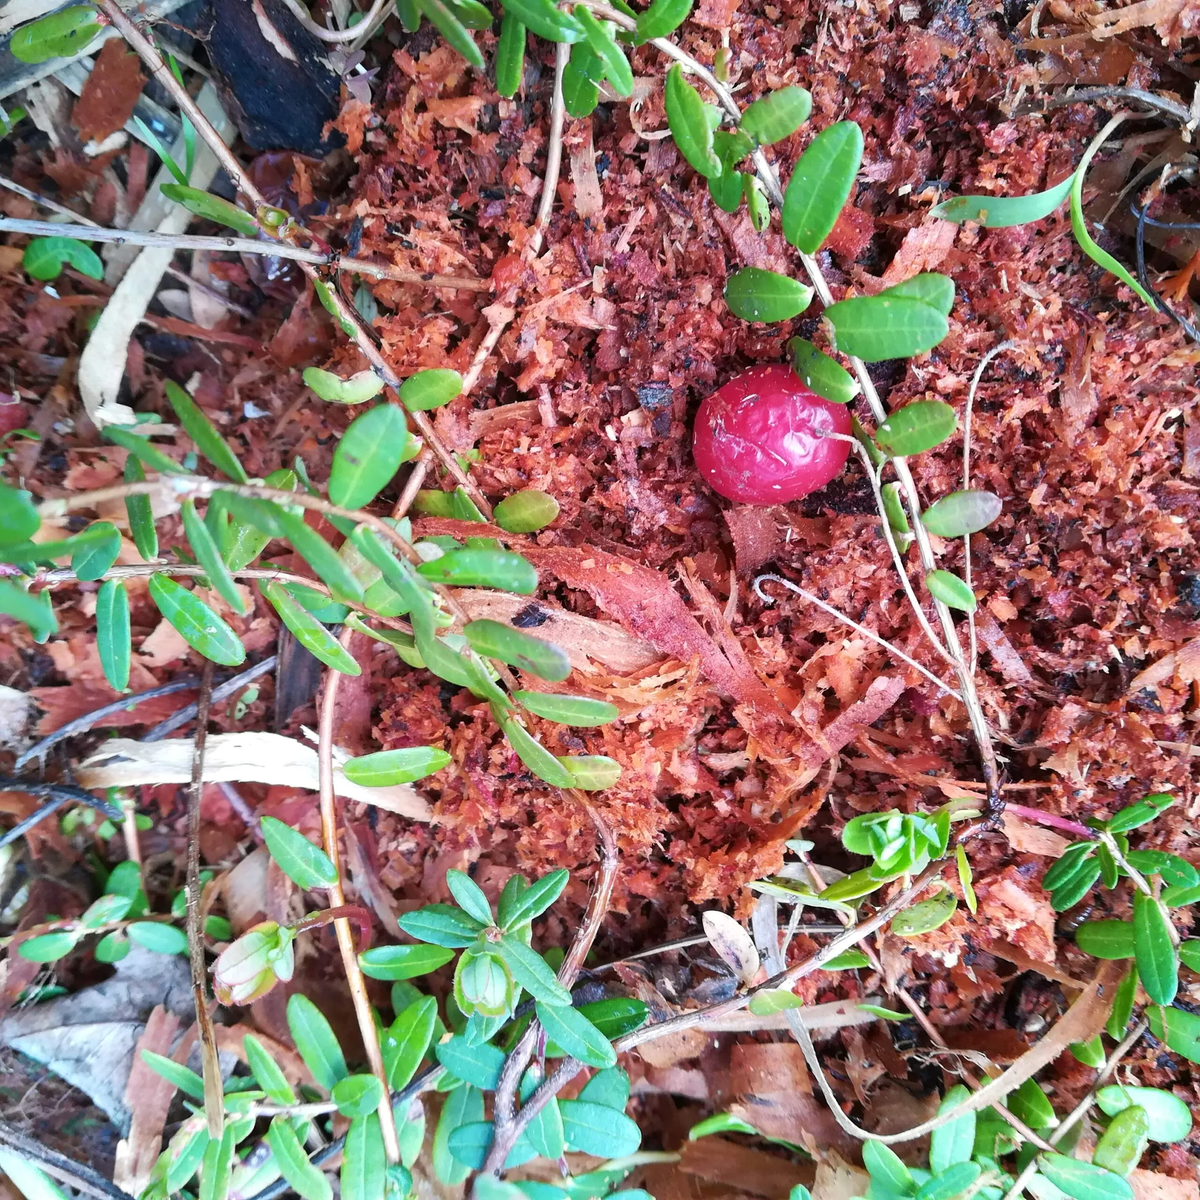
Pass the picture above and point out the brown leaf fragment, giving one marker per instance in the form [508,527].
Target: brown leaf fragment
[1150,1185]
[741,1168]
[110,93]
[768,1070]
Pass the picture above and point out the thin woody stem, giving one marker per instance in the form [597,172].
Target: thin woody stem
[333,35]
[239,245]
[346,314]
[337,899]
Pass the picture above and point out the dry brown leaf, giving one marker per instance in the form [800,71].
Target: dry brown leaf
[836,1179]
[1150,1185]
[717,1160]
[1033,839]
[110,93]
[776,1068]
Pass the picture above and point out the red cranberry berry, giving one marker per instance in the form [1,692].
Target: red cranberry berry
[758,439]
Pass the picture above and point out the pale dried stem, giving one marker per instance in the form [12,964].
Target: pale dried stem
[214,1101]
[346,313]
[337,897]
[238,245]
[334,35]
[554,147]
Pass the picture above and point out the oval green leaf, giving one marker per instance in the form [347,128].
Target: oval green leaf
[1083,1181]
[662,18]
[501,569]
[580,711]
[95,549]
[525,511]
[925,916]
[951,591]
[821,374]
[597,1129]
[293,1163]
[533,754]
[575,1035]
[617,70]
[442,925]
[368,456]
[1106,939]
[158,937]
[953,1142]
[1170,1119]
[196,623]
[47,947]
[1154,949]
[688,122]
[876,328]
[518,648]
[319,555]
[140,513]
[207,555]
[112,633]
[204,433]
[592,772]
[961,513]
[308,631]
[917,427]
[1124,1141]
[403,962]
[386,768]
[886,1169]
[357,389]
[929,287]
[19,519]
[316,1041]
[510,56]
[755,294]
[777,115]
[56,36]
[44,258]
[306,865]
[545,19]
[446,21]
[580,92]
[357,1095]
[820,185]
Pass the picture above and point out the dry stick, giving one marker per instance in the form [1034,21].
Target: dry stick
[83,1179]
[968,413]
[346,314]
[214,1108]
[554,147]
[239,245]
[766,172]
[1079,1111]
[505,1131]
[337,897]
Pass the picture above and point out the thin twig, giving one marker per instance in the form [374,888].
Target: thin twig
[59,795]
[1089,95]
[214,1104]
[238,245]
[333,35]
[346,314]
[853,624]
[337,897]
[185,714]
[82,1178]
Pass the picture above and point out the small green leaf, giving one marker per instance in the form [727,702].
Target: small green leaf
[577,1036]
[32,609]
[408,1039]
[212,208]
[196,623]
[19,519]
[961,513]
[500,569]
[925,916]
[617,1016]
[950,590]
[951,1182]
[689,124]
[964,878]
[876,328]
[444,18]
[463,1106]
[582,712]
[999,212]
[364,1165]
[1179,897]
[777,115]
[472,14]
[929,287]
[758,295]
[1124,1141]
[1088,244]
[368,456]
[580,92]
[887,1171]
[773,1000]
[216,1165]
[617,70]
[149,455]
[209,558]
[184,1078]
[533,754]
[140,513]
[1090,1053]
[48,947]
[292,1160]
[112,633]
[1070,861]
[45,257]
[849,960]
[308,631]
[545,1131]
[160,938]
[518,908]
[953,1142]
[526,511]
[529,969]
[1157,961]
[108,908]
[884,1014]
[479,1065]
[592,772]
[610,1088]
[917,427]
[386,768]
[267,1071]
[306,865]
[94,550]
[1106,939]
[357,1095]
[597,1129]
[821,185]
[661,19]
[441,924]
[1177,1027]
[545,19]
[720,1123]
[1083,1181]
[319,555]
[358,389]
[1122,1009]
[468,895]
[510,56]
[403,962]
[1030,1104]
[1143,811]
[1169,1118]
[60,34]
[316,1041]
[821,374]
[518,648]
[204,433]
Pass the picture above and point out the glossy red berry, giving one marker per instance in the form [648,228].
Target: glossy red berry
[758,439]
